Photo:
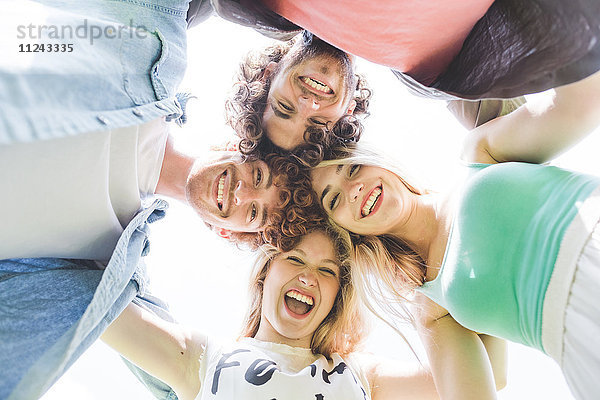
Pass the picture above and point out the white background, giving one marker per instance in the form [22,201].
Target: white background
[204,278]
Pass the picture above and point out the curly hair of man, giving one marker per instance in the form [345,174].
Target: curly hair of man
[247,101]
[297,213]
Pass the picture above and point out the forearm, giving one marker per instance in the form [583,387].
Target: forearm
[459,362]
[163,349]
[394,382]
[540,130]
[544,133]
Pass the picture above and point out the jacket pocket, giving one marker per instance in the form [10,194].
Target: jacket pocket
[142,55]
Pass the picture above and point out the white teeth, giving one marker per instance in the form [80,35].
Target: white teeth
[317,85]
[307,300]
[300,297]
[366,210]
[220,190]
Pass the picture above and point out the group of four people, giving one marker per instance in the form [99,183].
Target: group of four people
[83,155]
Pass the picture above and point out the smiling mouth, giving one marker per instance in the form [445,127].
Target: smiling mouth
[317,86]
[298,303]
[371,201]
[220,190]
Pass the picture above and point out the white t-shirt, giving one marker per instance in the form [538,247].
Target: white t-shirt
[72,197]
[250,369]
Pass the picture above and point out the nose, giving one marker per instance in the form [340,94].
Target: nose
[243,193]
[308,278]
[354,190]
[307,104]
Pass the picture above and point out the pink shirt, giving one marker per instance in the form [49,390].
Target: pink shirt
[417,37]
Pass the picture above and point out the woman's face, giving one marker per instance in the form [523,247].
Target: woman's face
[363,199]
[299,291]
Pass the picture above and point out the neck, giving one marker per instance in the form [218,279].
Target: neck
[174,173]
[423,226]
[267,333]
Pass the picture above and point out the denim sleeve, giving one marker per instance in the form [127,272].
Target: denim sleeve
[159,389]
[47,320]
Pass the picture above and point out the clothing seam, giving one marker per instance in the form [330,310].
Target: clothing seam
[558,290]
[163,9]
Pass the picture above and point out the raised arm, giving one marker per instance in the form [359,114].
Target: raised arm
[497,351]
[538,133]
[458,357]
[392,380]
[165,350]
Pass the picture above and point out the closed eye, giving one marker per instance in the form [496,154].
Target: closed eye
[353,169]
[284,107]
[296,260]
[317,122]
[327,271]
[333,201]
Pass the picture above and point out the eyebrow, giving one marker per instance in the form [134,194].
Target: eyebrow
[279,113]
[265,213]
[329,261]
[328,187]
[326,260]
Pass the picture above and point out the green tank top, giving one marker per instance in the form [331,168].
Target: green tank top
[504,240]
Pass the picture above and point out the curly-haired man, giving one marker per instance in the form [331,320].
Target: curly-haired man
[298,95]
[478,49]
[81,204]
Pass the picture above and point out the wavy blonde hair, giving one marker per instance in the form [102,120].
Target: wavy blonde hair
[385,267]
[343,329]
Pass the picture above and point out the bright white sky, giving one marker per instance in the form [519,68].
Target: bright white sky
[204,278]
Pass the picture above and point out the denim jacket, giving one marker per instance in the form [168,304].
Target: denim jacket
[127,60]
[51,310]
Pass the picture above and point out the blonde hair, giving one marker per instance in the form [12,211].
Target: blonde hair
[343,329]
[385,267]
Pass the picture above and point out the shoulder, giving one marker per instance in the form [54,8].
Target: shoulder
[426,311]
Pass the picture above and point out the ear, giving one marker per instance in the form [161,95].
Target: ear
[224,233]
[269,69]
[351,107]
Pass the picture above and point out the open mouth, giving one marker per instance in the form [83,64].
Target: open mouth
[316,86]
[372,203]
[298,303]
[220,190]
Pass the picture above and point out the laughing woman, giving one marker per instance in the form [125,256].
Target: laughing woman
[514,253]
[302,327]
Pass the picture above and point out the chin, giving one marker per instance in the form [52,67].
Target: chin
[294,334]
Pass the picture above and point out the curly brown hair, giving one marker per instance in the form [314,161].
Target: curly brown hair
[247,101]
[297,213]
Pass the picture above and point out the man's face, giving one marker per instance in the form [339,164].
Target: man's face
[232,195]
[313,84]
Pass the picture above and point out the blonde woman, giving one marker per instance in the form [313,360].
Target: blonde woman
[298,341]
[514,253]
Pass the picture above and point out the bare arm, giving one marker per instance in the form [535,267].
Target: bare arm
[535,133]
[458,358]
[497,351]
[163,349]
[392,380]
